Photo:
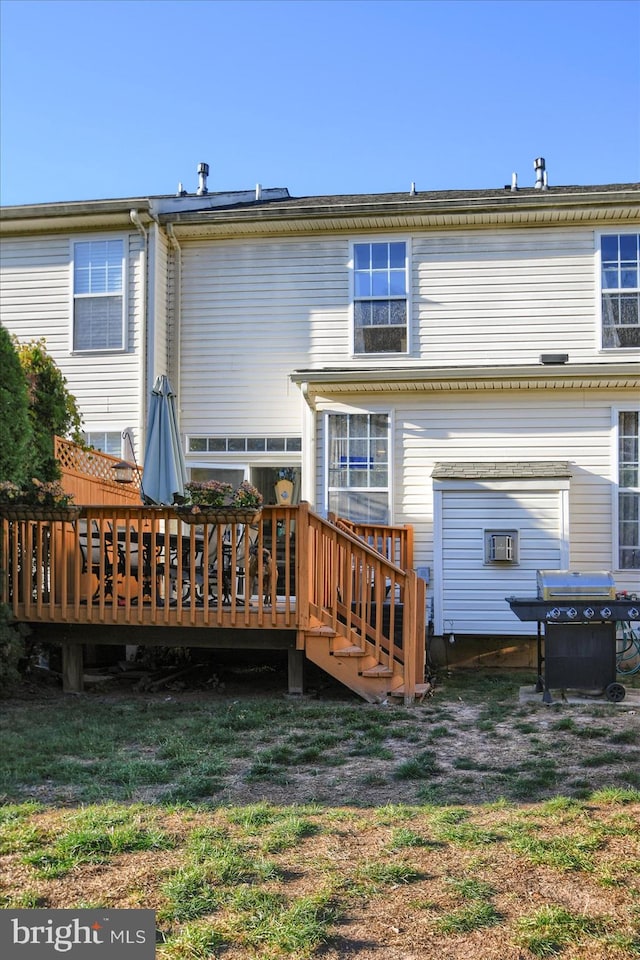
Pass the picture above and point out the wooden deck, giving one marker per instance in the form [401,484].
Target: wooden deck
[336,592]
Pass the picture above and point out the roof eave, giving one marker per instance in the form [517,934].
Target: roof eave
[414,212]
[53,217]
[328,382]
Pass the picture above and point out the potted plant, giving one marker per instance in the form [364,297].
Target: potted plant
[37,500]
[284,485]
[214,501]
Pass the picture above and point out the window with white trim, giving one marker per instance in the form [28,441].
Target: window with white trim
[620,278]
[629,490]
[358,466]
[380,297]
[98,295]
[107,441]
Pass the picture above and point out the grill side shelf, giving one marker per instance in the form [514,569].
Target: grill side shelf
[574,610]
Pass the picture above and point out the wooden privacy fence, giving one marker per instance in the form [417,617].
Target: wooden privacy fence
[89,476]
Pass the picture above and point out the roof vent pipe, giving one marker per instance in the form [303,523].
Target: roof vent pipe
[258,191]
[203,173]
[541,175]
[412,191]
[514,182]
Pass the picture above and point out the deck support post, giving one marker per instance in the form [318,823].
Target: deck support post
[72,668]
[296,671]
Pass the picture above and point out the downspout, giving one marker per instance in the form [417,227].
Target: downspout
[309,454]
[142,419]
[176,318]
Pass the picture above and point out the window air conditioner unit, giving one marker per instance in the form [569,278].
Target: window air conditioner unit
[501,546]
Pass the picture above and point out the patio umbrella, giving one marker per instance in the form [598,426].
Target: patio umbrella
[164,475]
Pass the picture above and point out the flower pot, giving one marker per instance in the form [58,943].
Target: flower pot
[204,513]
[27,511]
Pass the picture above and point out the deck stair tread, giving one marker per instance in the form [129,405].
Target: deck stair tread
[320,631]
[352,651]
[379,671]
[421,690]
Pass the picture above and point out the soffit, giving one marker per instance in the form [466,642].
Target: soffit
[330,383]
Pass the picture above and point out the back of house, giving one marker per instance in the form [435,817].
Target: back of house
[463,361]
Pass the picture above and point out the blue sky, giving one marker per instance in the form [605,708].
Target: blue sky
[123,98]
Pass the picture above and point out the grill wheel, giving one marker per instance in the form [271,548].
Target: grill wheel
[615,692]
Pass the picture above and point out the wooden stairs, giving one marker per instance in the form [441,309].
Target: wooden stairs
[352,662]
[366,621]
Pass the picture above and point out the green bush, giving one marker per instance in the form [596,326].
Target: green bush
[53,410]
[12,648]
[15,424]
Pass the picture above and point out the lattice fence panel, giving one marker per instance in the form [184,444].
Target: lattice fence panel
[89,475]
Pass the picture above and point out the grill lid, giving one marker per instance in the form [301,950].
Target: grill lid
[563,584]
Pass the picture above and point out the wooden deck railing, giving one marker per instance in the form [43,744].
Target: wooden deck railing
[142,565]
[292,570]
[393,541]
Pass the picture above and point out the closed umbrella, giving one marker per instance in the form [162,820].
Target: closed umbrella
[164,475]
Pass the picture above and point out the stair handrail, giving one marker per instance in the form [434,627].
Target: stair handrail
[400,533]
[322,594]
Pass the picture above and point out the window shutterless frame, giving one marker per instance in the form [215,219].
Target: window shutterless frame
[358,466]
[625,486]
[379,292]
[107,440]
[617,282]
[99,277]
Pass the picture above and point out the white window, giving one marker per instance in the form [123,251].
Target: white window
[380,297]
[629,490]
[620,277]
[107,441]
[358,466]
[98,295]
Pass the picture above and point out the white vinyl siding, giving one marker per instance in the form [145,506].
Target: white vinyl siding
[247,311]
[472,596]
[502,296]
[568,426]
[36,300]
[505,296]
[512,427]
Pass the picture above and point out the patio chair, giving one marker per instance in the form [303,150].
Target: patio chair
[96,550]
[187,580]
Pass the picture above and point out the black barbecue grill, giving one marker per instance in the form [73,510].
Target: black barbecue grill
[576,615]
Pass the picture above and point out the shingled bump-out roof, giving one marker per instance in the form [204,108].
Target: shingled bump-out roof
[492,470]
